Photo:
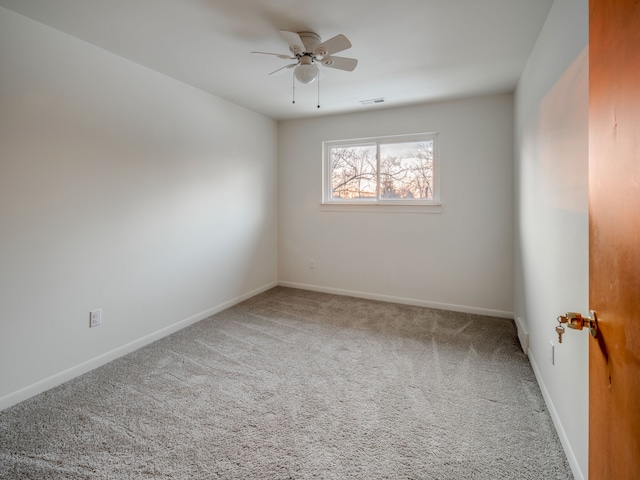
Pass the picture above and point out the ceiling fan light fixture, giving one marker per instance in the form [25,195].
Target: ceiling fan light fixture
[306,73]
[310,51]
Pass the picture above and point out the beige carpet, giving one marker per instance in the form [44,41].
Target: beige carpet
[297,384]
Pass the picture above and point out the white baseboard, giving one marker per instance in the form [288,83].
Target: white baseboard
[523,334]
[401,300]
[564,440]
[84,367]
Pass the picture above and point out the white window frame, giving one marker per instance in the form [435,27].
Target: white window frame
[378,203]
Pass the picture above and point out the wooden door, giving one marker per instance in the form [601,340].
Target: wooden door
[614,238]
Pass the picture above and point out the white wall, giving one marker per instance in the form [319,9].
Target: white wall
[120,189]
[461,259]
[551,267]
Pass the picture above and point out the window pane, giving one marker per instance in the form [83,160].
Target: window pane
[406,170]
[398,169]
[353,172]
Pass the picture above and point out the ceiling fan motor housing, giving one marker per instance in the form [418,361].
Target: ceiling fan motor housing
[310,41]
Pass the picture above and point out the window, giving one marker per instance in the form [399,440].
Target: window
[396,170]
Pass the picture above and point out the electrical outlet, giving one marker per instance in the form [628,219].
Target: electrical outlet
[312,263]
[552,353]
[95,317]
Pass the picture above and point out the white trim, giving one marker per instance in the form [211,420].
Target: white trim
[564,440]
[84,367]
[401,300]
[380,207]
[523,334]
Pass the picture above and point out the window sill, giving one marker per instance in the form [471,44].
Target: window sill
[381,207]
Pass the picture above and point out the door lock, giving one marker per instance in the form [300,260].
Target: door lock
[576,321]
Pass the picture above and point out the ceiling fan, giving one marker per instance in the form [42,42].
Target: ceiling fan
[309,51]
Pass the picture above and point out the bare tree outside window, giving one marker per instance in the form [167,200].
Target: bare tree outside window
[353,172]
[383,171]
[406,170]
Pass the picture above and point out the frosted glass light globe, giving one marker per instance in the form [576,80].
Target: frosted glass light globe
[306,73]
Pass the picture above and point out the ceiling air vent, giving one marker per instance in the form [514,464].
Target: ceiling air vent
[372,101]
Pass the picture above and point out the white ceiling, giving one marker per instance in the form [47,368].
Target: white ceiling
[409,51]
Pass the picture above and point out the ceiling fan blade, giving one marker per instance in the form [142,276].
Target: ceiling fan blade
[294,41]
[341,63]
[333,45]
[279,55]
[282,68]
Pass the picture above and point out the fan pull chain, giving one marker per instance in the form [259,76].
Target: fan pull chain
[293,78]
[318,86]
